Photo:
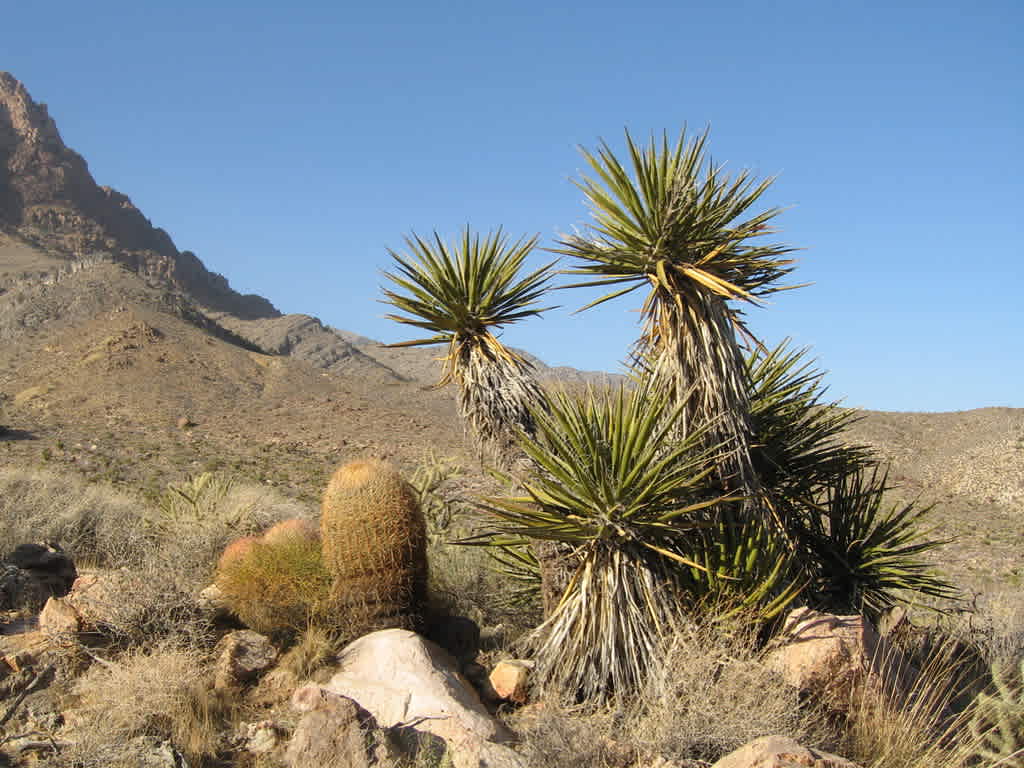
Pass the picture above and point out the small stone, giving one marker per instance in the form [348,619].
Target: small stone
[243,655]
[511,680]
[780,752]
[261,738]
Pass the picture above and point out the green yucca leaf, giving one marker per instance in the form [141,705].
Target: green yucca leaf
[676,222]
[461,294]
[670,220]
[466,288]
[799,437]
[869,558]
[608,466]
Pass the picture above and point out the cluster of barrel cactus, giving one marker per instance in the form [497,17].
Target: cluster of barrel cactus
[364,568]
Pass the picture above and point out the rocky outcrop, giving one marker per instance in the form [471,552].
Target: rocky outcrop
[831,656]
[306,338]
[49,198]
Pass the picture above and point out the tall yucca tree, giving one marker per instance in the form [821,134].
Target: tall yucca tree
[677,225]
[462,293]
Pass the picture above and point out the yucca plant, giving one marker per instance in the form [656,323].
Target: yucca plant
[677,225]
[462,293]
[800,446]
[614,484]
[746,570]
[868,558]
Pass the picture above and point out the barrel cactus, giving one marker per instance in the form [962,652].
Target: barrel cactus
[374,546]
[276,583]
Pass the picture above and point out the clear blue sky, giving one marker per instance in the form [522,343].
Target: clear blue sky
[289,144]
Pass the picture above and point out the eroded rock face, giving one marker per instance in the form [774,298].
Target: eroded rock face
[48,195]
[781,752]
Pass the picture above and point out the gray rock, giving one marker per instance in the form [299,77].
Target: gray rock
[329,735]
[242,656]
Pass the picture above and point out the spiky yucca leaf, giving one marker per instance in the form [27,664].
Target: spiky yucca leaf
[608,467]
[747,570]
[462,293]
[677,224]
[800,446]
[612,483]
[869,558]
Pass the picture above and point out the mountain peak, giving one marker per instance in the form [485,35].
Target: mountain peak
[49,198]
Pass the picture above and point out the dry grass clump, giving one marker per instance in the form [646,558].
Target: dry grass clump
[891,725]
[164,694]
[315,649]
[707,695]
[999,623]
[95,524]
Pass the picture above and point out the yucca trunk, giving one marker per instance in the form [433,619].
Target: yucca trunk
[692,349]
[497,390]
[603,635]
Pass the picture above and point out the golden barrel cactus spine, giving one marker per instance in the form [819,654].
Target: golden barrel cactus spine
[374,545]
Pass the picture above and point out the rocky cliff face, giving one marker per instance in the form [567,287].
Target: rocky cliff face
[49,198]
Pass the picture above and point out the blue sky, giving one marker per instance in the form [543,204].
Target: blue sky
[289,145]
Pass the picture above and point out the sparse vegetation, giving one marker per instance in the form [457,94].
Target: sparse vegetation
[689,509]
[163,693]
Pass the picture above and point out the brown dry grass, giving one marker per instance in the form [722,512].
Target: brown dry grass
[164,693]
[708,695]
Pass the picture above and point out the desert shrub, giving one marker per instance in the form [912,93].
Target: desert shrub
[707,693]
[279,587]
[95,524]
[913,717]
[164,693]
[152,603]
[998,624]
[200,516]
